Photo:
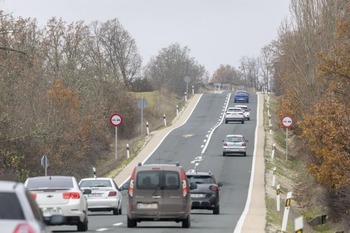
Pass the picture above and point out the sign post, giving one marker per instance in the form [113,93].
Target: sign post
[45,163]
[116,120]
[287,122]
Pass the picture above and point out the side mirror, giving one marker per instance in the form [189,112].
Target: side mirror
[220,184]
[87,191]
[193,186]
[125,186]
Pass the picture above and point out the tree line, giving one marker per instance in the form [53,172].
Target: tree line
[60,83]
[310,62]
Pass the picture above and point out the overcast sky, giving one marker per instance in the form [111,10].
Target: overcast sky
[216,31]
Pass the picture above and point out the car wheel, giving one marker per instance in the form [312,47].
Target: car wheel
[131,223]
[248,118]
[120,210]
[223,154]
[83,226]
[242,122]
[216,210]
[115,211]
[244,154]
[226,122]
[186,223]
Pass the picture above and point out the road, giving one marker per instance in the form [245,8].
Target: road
[197,144]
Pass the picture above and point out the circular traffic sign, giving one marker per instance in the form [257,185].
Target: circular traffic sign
[116,119]
[287,121]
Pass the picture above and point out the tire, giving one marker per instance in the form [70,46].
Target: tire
[226,122]
[83,226]
[248,118]
[242,122]
[223,154]
[244,154]
[120,210]
[131,223]
[115,211]
[216,210]
[186,223]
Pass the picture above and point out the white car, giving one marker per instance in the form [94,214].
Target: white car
[60,195]
[234,114]
[245,109]
[19,212]
[105,194]
[234,144]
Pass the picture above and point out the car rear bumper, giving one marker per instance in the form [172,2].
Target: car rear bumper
[205,203]
[107,204]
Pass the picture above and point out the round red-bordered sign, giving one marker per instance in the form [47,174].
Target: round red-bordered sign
[116,119]
[287,121]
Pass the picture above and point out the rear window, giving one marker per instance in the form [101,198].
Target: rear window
[50,183]
[95,183]
[234,139]
[200,179]
[150,180]
[10,207]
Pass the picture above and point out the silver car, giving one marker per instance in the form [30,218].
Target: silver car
[234,114]
[234,144]
[60,195]
[245,109]
[105,194]
[19,212]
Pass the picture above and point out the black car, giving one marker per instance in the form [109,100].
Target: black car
[206,195]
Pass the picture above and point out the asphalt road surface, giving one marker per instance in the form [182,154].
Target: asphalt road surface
[197,144]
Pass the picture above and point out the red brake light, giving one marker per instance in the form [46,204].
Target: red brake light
[185,187]
[131,184]
[34,195]
[244,144]
[71,195]
[225,143]
[24,228]
[213,187]
[112,193]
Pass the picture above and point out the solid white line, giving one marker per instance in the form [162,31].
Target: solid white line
[241,220]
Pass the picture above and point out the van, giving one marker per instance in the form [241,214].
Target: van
[159,192]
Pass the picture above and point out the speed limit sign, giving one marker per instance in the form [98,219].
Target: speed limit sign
[287,121]
[116,119]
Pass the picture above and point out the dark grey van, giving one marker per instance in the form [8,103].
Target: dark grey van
[159,192]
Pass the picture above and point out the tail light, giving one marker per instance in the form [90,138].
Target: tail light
[213,188]
[24,228]
[71,195]
[34,195]
[131,184]
[112,194]
[185,188]
[244,144]
[225,143]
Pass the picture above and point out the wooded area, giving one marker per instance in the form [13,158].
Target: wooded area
[312,77]
[59,85]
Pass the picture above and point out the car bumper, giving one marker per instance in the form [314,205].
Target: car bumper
[71,213]
[209,203]
[107,204]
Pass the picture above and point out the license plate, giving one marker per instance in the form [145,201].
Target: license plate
[95,195]
[51,211]
[195,195]
[147,205]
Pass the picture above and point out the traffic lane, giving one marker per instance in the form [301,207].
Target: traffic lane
[98,221]
[185,143]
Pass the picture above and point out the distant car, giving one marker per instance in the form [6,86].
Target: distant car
[241,96]
[207,193]
[105,194]
[234,114]
[234,144]
[245,109]
[60,195]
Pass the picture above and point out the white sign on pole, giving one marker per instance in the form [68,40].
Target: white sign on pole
[116,119]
